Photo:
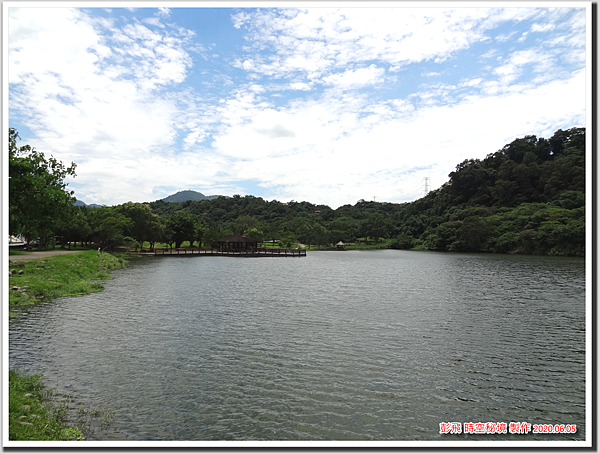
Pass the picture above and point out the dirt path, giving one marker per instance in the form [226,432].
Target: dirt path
[39,255]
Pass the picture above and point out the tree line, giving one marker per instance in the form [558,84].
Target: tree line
[528,197]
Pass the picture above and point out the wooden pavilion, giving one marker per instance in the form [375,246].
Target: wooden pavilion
[237,243]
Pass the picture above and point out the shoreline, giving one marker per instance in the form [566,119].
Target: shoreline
[33,413]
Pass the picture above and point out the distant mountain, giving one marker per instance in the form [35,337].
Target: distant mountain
[181,196]
[81,203]
[184,196]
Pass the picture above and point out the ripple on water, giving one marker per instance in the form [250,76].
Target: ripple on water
[378,345]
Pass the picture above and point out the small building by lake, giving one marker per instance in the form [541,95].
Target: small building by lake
[237,243]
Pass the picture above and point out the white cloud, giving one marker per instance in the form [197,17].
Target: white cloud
[472,82]
[344,147]
[154,21]
[489,54]
[540,60]
[320,39]
[504,36]
[347,147]
[76,100]
[537,28]
[114,100]
[356,78]
[300,86]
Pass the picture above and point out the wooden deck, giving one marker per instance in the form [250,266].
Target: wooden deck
[259,252]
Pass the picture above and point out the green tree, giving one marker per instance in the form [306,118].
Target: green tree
[110,225]
[472,235]
[39,202]
[307,233]
[402,241]
[245,223]
[200,230]
[145,226]
[321,235]
[375,226]
[76,228]
[180,227]
[287,240]
[212,234]
[270,232]
[344,228]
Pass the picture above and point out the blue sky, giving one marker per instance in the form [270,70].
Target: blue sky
[324,104]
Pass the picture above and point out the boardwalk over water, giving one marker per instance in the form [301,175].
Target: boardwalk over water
[258,252]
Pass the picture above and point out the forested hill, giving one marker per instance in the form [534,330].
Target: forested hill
[528,197]
[184,196]
[292,221]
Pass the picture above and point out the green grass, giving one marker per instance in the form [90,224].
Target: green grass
[277,246]
[354,246]
[77,247]
[383,245]
[185,244]
[29,418]
[314,247]
[16,252]
[61,275]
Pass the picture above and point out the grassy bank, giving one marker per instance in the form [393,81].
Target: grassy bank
[29,418]
[32,414]
[63,275]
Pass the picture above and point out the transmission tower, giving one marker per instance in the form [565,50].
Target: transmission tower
[425,186]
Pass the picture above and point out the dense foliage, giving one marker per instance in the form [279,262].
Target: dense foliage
[39,202]
[293,222]
[528,197]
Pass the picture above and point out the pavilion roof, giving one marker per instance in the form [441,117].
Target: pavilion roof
[237,239]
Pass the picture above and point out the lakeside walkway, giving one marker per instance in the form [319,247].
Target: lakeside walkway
[41,254]
[258,252]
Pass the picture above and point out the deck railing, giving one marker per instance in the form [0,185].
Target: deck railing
[258,252]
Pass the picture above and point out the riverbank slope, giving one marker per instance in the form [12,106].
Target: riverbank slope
[37,279]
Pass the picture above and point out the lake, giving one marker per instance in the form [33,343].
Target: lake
[353,345]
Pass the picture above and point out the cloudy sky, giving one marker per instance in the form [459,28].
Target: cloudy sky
[324,104]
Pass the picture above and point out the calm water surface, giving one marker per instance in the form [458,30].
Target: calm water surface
[355,345]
